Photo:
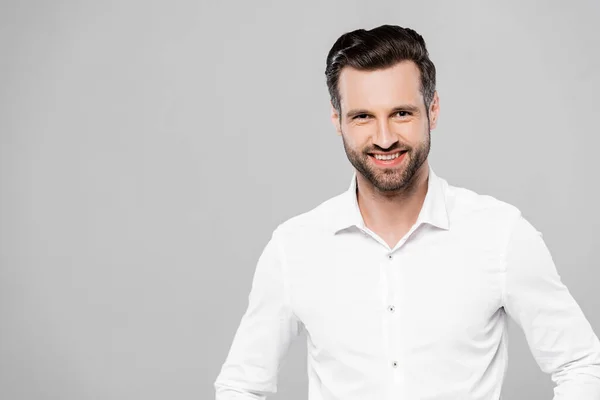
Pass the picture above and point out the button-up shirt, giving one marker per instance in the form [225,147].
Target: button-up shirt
[424,320]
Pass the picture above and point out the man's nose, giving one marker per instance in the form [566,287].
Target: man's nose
[384,137]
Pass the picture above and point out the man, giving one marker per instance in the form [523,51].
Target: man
[403,283]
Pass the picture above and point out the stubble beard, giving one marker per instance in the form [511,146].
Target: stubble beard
[390,179]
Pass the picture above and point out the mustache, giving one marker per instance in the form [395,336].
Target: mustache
[387,151]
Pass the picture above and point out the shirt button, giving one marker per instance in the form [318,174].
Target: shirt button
[390,256]
[394,364]
[391,308]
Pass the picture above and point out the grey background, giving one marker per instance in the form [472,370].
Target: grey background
[148,149]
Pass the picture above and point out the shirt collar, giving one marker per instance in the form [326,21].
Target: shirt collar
[433,211]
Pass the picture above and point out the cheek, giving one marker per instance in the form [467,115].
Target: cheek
[357,137]
[350,142]
[410,132]
[417,130]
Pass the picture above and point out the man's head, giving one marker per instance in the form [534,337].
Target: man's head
[383,100]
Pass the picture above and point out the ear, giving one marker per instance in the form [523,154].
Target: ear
[335,119]
[434,110]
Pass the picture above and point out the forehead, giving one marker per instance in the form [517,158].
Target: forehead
[381,88]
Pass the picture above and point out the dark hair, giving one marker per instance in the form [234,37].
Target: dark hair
[378,48]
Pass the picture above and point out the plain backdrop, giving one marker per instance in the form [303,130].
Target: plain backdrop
[148,149]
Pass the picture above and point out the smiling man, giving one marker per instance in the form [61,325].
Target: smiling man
[403,283]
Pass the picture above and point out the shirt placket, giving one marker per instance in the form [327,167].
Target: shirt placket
[393,318]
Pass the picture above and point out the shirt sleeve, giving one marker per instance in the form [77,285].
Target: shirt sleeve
[558,334]
[265,332]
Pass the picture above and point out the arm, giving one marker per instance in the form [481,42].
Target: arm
[264,334]
[557,332]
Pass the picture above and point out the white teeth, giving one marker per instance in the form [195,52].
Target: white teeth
[386,157]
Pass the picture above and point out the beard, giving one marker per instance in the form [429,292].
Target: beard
[392,179]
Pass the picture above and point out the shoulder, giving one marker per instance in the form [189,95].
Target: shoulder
[481,213]
[314,220]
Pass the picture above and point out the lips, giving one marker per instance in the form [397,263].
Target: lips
[391,162]
[388,153]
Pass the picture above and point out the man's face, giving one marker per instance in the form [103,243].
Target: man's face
[383,111]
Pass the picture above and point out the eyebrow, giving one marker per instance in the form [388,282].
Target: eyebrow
[407,107]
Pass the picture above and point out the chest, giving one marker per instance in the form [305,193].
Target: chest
[354,296]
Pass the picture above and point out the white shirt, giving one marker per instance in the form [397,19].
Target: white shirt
[425,320]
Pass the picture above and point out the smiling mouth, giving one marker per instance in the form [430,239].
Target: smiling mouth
[387,156]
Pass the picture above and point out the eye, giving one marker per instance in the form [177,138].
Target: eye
[402,113]
[361,116]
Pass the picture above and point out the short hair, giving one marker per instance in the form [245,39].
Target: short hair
[380,47]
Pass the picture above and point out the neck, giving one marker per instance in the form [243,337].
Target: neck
[392,212]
